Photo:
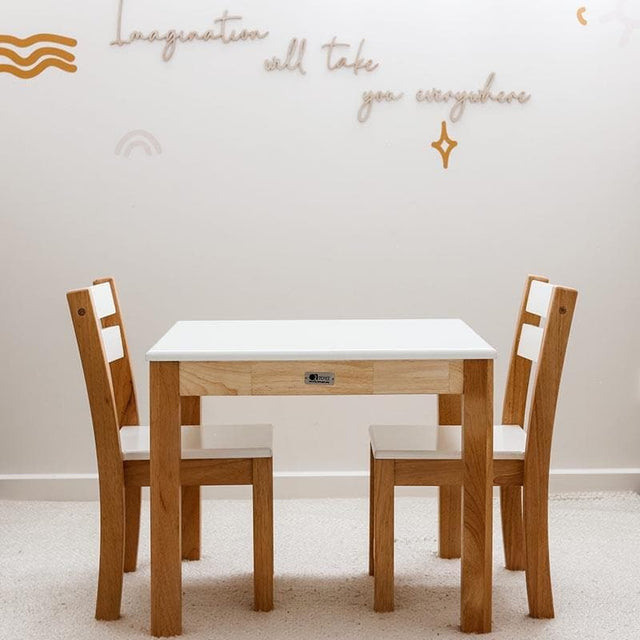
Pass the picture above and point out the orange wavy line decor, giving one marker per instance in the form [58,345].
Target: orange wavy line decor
[38,69]
[56,57]
[36,55]
[39,37]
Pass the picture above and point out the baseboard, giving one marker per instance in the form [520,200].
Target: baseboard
[299,484]
[611,479]
[49,486]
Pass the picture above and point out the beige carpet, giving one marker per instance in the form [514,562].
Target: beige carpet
[48,564]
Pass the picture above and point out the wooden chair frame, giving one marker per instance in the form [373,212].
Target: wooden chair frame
[524,522]
[113,404]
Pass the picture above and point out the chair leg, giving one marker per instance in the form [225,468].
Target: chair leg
[263,534]
[383,493]
[132,498]
[538,574]
[191,523]
[112,532]
[450,521]
[371,512]
[512,527]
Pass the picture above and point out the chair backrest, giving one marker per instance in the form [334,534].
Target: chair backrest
[545,346]
[95,313]
[121,372]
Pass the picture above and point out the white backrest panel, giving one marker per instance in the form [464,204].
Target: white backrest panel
[539,298]
[530,341]
[112,340]
[102,299]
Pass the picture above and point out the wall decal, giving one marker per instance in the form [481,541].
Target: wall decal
[580,13]
[227,29]
[462,98]
[173,36]
[369,97]
[295,51]
[629,23]
[138,139]
[60,58]
[438,145]
[342,63]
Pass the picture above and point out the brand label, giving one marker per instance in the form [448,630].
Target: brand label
[319,377]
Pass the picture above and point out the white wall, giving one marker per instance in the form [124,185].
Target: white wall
[270,200]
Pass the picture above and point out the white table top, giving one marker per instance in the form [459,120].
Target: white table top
[243,340]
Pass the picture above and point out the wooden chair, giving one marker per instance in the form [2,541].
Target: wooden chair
[431,456]
[221,455]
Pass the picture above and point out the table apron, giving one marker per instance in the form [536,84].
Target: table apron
[350,377]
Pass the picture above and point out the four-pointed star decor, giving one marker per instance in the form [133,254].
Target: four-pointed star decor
[439,146]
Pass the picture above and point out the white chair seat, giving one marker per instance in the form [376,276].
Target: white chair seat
[440,443]
[205,442]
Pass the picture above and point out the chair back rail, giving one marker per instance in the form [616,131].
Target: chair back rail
[539,298]
[530,342]
[103,300]
[121,373]
[112,340]
[517,385]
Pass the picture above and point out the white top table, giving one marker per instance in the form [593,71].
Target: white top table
[319,357]
[259,340]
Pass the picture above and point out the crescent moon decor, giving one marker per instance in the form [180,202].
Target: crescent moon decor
[581,19]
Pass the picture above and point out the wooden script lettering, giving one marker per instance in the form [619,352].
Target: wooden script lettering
[369,97]
[172,36]
[461,98]
[293,59]
[342,63]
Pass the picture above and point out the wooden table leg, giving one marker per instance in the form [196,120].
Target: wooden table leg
[383,550]
[190,414]
[262,534]
[166,569]
[477,503]
[449,497]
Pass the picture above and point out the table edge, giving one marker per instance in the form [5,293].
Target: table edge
[316,356]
